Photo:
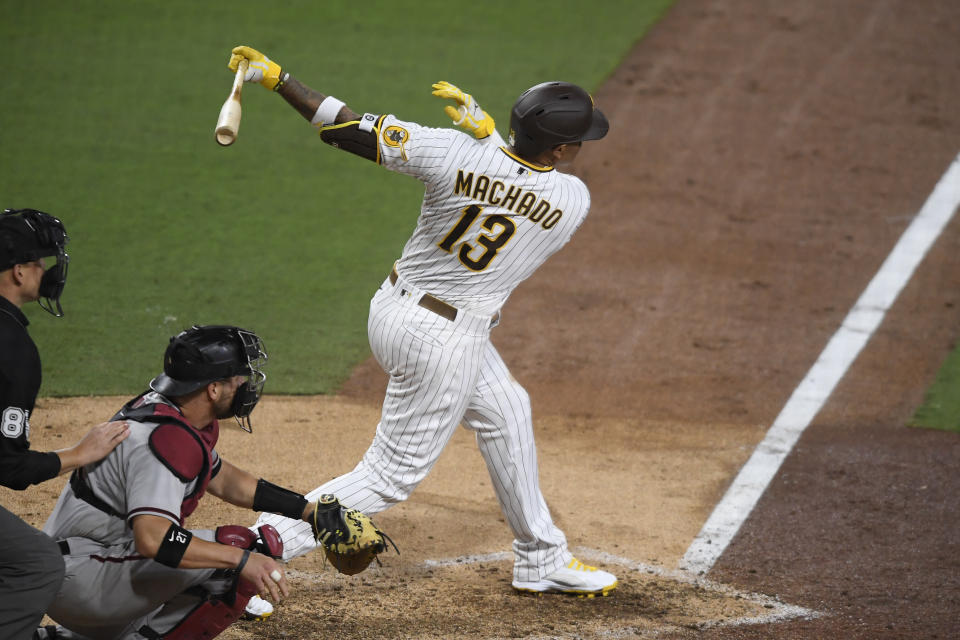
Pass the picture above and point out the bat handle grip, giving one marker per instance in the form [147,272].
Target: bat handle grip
[241,72]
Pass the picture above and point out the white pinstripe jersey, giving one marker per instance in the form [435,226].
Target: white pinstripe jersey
[488,219]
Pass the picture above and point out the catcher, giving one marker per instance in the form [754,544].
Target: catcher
[132,568]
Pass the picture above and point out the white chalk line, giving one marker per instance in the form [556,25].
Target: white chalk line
[778,611]
[474,559]
[812,393]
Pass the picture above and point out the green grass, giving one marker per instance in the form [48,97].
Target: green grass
[107,112]
[941,407]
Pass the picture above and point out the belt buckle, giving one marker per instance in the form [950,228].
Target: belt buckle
[429,302]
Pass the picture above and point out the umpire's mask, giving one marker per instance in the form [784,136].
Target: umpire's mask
[27,235]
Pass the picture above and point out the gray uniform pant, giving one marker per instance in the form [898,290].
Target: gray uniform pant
[111,592]
[31,570]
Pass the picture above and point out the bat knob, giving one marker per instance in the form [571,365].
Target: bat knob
[225,137]
[228,124]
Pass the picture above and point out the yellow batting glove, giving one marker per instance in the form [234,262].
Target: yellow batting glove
[262,69]
[467,114]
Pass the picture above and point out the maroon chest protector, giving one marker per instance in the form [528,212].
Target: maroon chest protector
[185,451]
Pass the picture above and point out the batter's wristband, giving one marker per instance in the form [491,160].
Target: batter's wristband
[174,545]
[327,112]
[274,499]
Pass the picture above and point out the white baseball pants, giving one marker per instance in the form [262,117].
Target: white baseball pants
[443,373]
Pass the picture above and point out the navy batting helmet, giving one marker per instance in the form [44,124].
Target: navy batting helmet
[553,113]
[204,354]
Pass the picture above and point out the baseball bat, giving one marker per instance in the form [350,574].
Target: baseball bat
[228,124]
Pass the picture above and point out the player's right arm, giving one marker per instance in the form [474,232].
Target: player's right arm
[467,114]
[166,542]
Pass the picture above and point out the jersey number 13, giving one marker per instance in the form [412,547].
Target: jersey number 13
[487,245]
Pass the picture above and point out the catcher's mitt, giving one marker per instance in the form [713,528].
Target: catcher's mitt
[350,539]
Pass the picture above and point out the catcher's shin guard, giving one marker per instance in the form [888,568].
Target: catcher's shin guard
[212,617]
[217,612]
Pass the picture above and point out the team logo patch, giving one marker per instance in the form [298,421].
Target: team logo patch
[394,136]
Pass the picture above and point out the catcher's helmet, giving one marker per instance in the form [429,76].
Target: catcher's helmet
[27,235]
[553,113]
[204,354]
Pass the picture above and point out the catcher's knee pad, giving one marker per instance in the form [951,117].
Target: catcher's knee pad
[265,540]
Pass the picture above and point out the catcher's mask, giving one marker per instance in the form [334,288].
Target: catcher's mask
[204,354]
[27,235]
[553,113]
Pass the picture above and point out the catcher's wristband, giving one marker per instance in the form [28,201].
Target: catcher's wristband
[275,499]
[174,545]
[243,561]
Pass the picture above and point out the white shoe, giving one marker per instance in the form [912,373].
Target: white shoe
[576,578]
[257,609]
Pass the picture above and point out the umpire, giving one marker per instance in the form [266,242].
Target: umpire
[31,565]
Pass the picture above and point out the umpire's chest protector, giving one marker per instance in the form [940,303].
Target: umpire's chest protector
[185,451]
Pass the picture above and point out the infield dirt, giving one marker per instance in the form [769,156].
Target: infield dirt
[764,158]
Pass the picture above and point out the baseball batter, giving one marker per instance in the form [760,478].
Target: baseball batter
[491,215]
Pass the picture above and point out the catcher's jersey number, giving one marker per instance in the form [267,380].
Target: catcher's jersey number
[501,228]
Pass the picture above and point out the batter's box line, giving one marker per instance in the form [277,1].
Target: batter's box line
[778,611]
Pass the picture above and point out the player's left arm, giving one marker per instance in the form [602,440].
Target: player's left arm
[234,485]
[308,101]
[338,125]
[19,465]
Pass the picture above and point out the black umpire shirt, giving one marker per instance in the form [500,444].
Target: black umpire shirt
[19,385]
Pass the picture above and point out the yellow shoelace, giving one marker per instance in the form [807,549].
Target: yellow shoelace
[576,565]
